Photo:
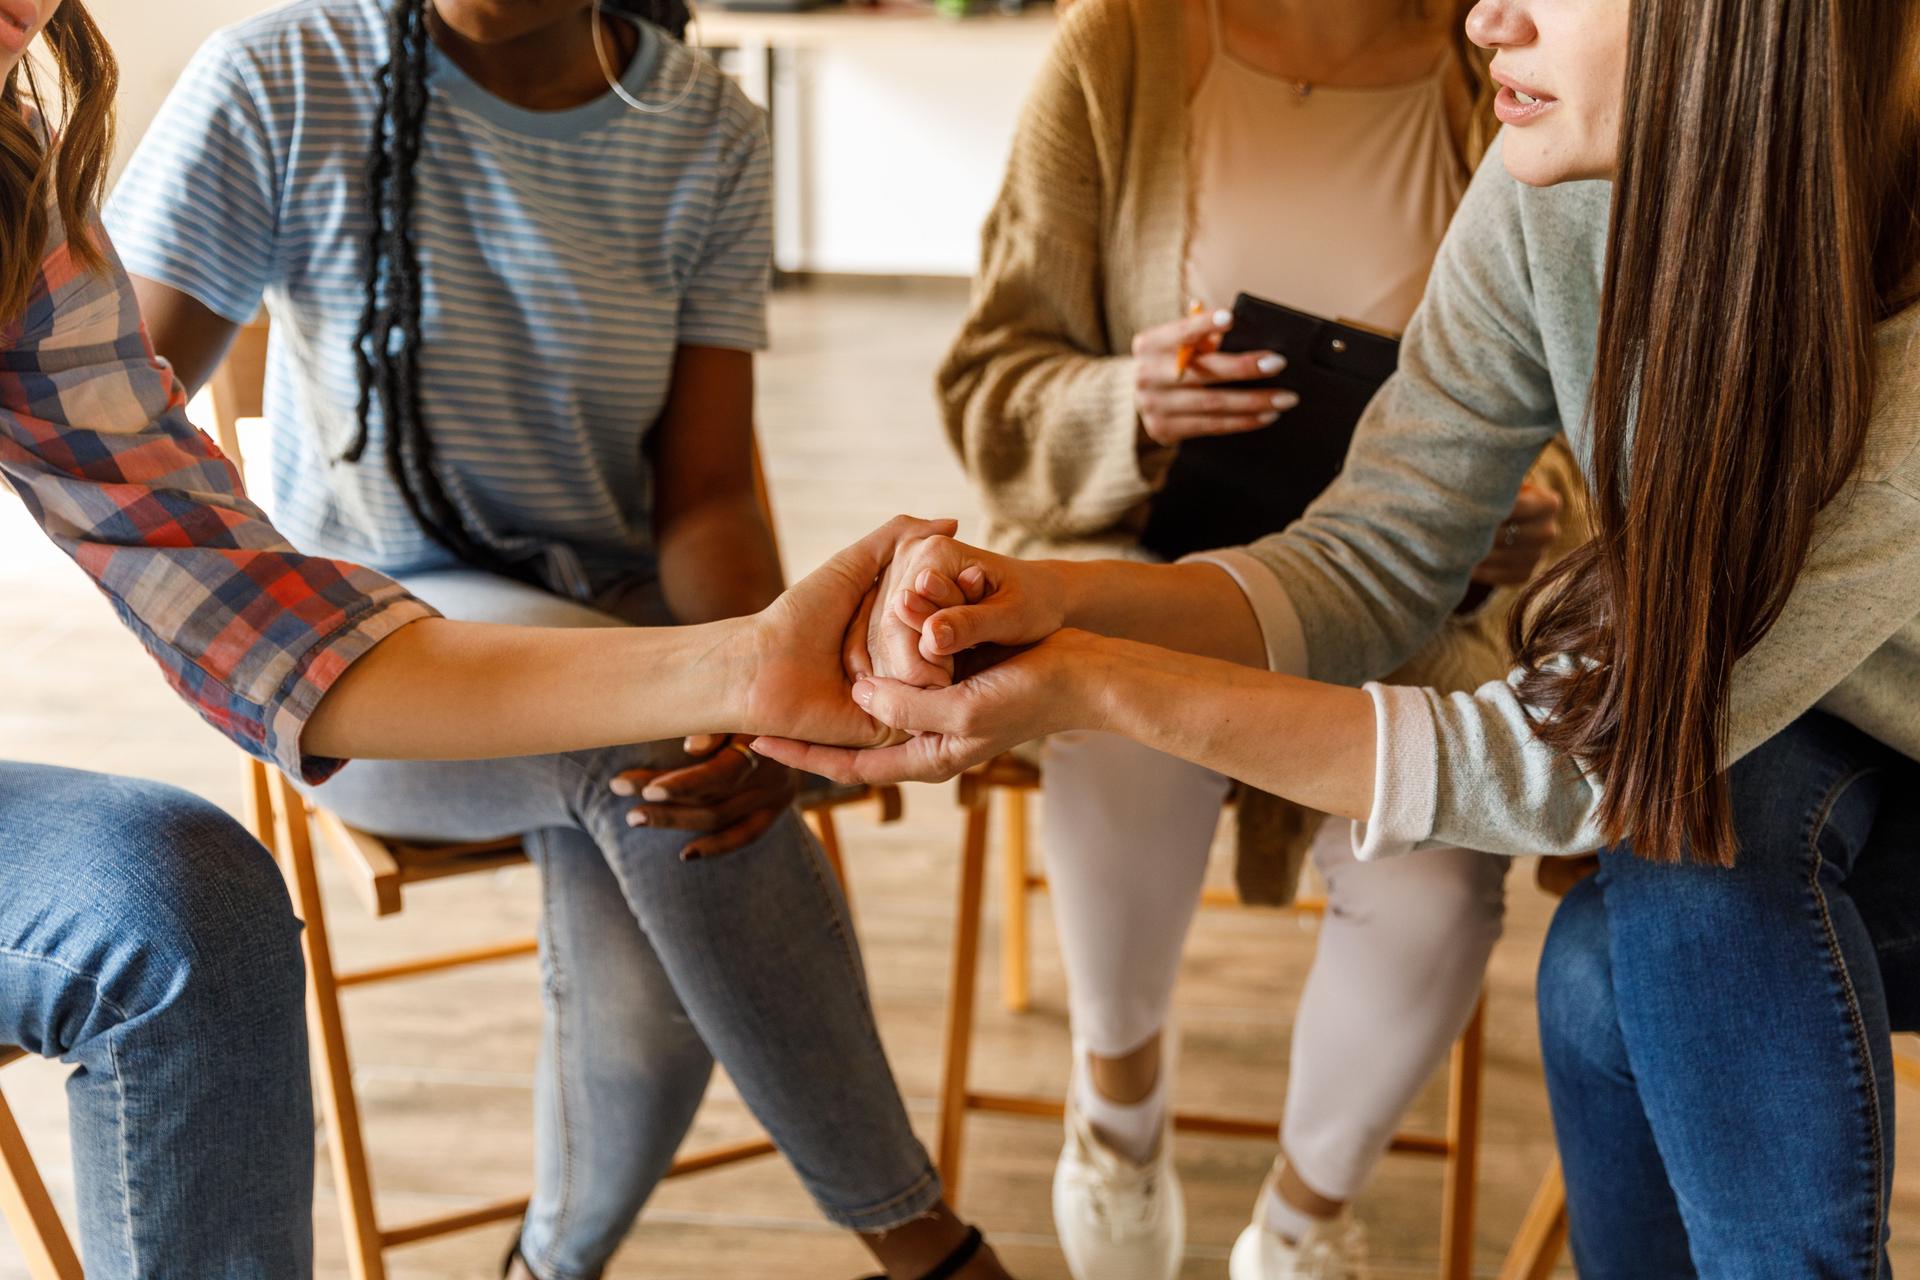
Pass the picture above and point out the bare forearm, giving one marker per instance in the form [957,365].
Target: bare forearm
[1192,608]
[445,690]
[718,561]
[1312,743]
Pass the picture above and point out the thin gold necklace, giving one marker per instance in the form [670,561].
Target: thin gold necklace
[1303,89]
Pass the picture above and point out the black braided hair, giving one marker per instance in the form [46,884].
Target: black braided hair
[387,347]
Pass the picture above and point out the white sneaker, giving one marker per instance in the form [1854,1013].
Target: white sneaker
[1117,1220]
[1331,1250]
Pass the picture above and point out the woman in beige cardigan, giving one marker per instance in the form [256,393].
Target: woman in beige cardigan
[1189,149]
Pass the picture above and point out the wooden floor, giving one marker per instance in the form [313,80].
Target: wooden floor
[444,1066]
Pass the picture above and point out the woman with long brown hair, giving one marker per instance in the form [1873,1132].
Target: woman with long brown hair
[1313,155]
[146,939]
[1694,251]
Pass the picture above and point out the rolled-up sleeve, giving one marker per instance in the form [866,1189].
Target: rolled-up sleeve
[95,440]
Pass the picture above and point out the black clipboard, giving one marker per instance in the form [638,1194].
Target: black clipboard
[1226,491]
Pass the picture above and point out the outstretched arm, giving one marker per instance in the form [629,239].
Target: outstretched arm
[1313,743]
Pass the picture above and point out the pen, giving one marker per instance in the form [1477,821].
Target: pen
[1183,358]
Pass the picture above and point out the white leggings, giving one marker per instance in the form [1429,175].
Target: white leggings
[1126,833]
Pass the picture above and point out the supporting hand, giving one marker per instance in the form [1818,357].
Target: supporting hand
[1051,687]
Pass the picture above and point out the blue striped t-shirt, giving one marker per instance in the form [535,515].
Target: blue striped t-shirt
[565,256]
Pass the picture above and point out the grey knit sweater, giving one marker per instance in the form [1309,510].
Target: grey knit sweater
[1499,359]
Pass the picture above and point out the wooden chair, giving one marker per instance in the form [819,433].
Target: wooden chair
[380,870]
[1013,781]
[27,1206]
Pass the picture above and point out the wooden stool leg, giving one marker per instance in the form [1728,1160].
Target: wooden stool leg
[1543,1233]
[956,1059]
[339,1106]
[1015,950]
[1463,1142]
[29,1209]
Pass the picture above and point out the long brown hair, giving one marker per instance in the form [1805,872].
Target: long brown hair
[61,161]
[1766,215]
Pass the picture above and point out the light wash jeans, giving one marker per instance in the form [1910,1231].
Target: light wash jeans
[146,939]
[654,967]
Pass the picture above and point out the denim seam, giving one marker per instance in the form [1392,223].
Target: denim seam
[815,867]
[848,955]
[563,1217]
[126,1170]
[1861,1045]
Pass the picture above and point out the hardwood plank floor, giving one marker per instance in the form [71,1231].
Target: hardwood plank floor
[445,1065]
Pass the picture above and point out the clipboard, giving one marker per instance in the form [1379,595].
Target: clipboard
[1227,491]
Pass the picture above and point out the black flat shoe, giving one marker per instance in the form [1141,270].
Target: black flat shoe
[962,1254]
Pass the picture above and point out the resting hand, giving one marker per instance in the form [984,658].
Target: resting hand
[1053,686]
[1176,405]
[728,794]
[794,674]
[1522,540]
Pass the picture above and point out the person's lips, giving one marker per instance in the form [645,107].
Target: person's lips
[18,18]
[1520,104]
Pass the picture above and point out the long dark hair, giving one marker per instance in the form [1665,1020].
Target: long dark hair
[387,348]
[68,174]
[1766,216]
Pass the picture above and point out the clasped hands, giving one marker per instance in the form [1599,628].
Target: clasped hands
[911,656]
[823,680]
[956,654]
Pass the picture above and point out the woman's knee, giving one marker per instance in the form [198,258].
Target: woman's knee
[1434,899]
[202,898]
[1579,1020]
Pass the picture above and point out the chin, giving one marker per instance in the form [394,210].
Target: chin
[1541,164]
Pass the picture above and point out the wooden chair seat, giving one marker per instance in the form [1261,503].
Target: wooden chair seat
[1013,781]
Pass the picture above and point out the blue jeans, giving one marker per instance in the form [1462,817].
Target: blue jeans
[653,969]
[146,939]
[1717,1042]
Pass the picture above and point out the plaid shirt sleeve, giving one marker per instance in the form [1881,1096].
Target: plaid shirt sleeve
[94,438]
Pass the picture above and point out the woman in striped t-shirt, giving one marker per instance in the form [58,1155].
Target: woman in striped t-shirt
[516,257]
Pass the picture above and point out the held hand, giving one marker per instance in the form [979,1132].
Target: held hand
[885,643]
[728,794]
[1177,405]
[796,682]
[1003,601]
[1048,688]
[1522,540]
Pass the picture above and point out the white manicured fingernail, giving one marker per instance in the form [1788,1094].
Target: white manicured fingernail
[1223,318]
[1285,400]
[1271,364]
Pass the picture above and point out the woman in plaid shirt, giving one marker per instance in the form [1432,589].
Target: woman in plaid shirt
[144,936]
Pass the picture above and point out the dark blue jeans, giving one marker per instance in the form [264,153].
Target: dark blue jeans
[1717,1042]
[146,939]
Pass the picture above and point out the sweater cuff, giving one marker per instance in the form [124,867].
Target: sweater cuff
[1406,774]
[1280,629]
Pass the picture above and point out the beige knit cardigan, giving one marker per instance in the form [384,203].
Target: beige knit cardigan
[1085,248]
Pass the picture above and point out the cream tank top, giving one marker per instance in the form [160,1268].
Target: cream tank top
[1332,201]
